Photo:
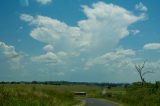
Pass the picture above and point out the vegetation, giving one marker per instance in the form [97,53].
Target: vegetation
[35,95]
[136,95]
[64,83]
[46,93]
[146,95]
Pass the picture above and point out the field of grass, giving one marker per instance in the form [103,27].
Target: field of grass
[132,95]
[63,95]
[135,95]
[36,95]
[146,95]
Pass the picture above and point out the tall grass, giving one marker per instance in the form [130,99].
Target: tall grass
[35,95]
[62,95]
[146,95]
[136,95]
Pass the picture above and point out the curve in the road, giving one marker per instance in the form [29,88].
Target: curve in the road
[97,102]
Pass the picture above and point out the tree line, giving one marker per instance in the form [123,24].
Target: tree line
[65,83]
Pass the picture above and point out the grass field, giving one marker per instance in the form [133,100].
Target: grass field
[36,95]
[63,95]
[44,95]
[135,95]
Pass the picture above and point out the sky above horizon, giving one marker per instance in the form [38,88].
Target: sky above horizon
[79,40]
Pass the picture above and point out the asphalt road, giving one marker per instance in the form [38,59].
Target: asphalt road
[97,102]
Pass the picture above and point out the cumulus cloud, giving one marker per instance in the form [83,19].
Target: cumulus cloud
[48,48]
[120,57]
[10,57]
[106,24]
[9,52]
[62,54]
[152,46]
[52,31]
[26,17]
[141,7]
[48,58]
[89,43]
[44,2]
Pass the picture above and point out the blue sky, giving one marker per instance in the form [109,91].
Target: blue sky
[79,40]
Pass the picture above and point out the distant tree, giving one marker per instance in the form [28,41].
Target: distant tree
[109,87]
[141,72]
[34,82]
[157,85]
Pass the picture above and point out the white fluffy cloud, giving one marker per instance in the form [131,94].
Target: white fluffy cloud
[48,48]
[152,46]
[48,58]
[10,57]
[106,24]
[119,58]
[26,17]
[9,52]
[52,31]
[83,44]
[44,2]
[141,7]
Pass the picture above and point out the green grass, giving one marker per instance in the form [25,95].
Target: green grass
[43,95]
[36,95]
[63,95]
[138,95]
[135,95]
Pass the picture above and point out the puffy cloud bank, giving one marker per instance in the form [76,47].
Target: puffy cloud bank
[92,42]
[105,26]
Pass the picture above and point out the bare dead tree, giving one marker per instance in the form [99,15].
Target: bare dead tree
[140,71]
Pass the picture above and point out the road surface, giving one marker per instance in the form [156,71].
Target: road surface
[97,102]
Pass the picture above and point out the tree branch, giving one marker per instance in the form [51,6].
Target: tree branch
[147,72]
